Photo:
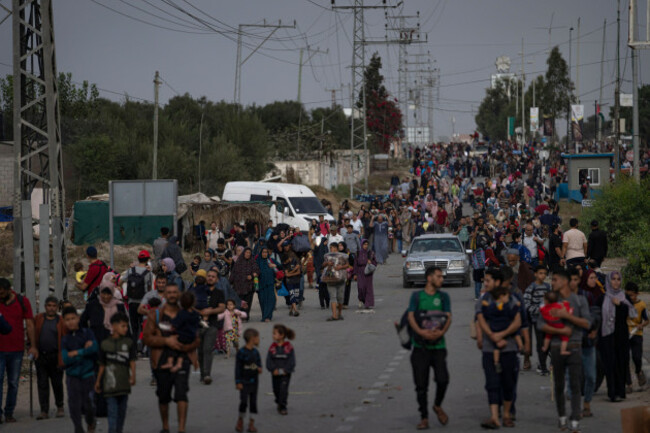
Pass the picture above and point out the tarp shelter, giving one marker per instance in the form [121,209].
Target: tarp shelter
[90,219]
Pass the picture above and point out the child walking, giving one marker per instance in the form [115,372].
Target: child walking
[78,352]
[231,325]
[116,371]
[635,327]
[281,362]
[248,366]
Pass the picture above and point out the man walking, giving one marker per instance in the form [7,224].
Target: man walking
[49,330]
[166,380]
[575,322]
[574,245]
[139,281]
[17,310]
[429,316]
[216,302]
[160,244]
[531,241]
[96,271]
[597,244]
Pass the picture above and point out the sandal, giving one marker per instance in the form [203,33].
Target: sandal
[508,422]
[490,424]
[442,416]
[586,413]
[424,425]
[332,319]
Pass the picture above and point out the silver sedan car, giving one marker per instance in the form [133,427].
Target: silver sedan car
[442,250]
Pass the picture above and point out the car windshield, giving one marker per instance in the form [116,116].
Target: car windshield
[307,205]
[426,245]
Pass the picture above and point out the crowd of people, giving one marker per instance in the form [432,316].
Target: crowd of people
[179,315]
[586,321]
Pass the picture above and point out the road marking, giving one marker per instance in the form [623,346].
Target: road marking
[389,370]
[398,358]
[368,400]
[384,376]
[344,428]
[359,409]
[393,364]
[351,419]
[403,351]
[373,392]
[379,384]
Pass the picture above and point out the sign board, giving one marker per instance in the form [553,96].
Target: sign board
[534,119]
[626,100]
[140,198]
[587,203]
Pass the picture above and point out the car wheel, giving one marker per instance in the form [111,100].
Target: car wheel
[406,283]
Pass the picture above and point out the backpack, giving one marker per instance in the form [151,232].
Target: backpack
[300,244]
[181,267]
[136,284]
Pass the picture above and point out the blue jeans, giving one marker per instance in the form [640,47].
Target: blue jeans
[116,407]
[399,246]
[10,362]
[477,288]
[589,371]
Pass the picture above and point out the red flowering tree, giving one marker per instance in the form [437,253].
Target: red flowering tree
[383,116]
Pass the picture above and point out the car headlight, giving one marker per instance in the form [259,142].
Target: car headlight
[456,264]
[414,265]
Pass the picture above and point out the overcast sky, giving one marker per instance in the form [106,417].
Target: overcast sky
[465,37]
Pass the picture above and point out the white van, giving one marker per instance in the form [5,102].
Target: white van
[298,204]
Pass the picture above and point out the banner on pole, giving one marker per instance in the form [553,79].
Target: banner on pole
[511,126]
[549,126]
[534,119]
[577,119]
[626,100]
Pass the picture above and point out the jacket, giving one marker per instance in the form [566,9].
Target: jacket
[81,366]
[60,332]
[281,357]
[226,316]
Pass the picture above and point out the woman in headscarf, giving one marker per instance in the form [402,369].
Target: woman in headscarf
[380,230]
[207,262]
[238,250]
[614,343]
[169,268]
[593,291]
[173,251]
[364,282]
[110,280]
[242,278]
[266,290]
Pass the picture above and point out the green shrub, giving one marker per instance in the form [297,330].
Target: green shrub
[620,211]
[637,250]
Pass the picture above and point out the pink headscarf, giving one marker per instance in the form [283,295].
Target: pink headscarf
[108,280]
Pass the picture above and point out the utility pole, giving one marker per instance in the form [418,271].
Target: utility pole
[358,135]
[301,63]
[523,103]
[38,156]
[617,97]
[635,85]
[568,113]
[333,92]
[156,86]
[578,64]
[599,133]
[239,62]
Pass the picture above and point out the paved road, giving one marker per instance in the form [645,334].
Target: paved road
[352,376]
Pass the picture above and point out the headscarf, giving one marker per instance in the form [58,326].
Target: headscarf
[609,309]
[110,308]
[591,293]
[238,250]
[107,281]
[242,268]
[169,262]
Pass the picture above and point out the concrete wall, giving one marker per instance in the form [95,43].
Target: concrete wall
[7,175]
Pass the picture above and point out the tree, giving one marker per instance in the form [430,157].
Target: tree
[557,92]
[492,116]
[383,116]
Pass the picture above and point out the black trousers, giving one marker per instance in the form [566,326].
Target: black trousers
[346,294]
[562,363]
[500,386]
[48,372]
[636,348]
[421,361]
[248,394]
[539,342]
[323,295]
[136,321]
[281,390]
[248,298]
